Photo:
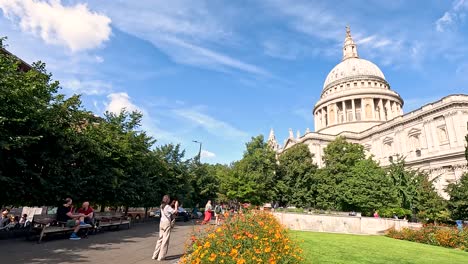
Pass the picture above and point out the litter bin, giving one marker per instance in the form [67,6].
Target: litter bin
[459,225]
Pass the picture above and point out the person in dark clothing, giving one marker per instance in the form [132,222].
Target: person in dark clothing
[5,220]
[65,214]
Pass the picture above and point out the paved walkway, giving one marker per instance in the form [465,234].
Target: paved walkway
[133,246]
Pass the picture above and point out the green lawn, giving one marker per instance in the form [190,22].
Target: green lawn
[340,248]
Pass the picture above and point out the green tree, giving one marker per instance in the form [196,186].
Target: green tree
[204,182]
[458,203]
[38,134]
[367,188]
[404,182]
[252,177]
[294,179]
[340,156]
[427,202]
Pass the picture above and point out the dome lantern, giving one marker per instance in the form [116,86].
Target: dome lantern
[349,47]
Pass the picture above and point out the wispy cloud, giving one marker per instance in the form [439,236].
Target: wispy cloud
[76,27]
[210,124]
[456,14]
[188,53]
[88,87]
[188,32]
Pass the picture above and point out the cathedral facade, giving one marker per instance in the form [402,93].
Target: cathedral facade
[357,102]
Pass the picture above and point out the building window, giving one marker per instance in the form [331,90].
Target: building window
[362,83]
[358,115]
[340,116]
[442,133]
[355,84]
[388,149]
[418,153]
[347,85]
[350,115]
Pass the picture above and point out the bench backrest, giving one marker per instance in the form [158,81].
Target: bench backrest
[44,219]
[108,215]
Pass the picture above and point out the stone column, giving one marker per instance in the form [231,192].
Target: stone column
[381,110]
[345,115]
[459,127]
[316,116]
[451,129]
[373,108]
[428,135]
[336,113]
[435,136]
[389,110]
[354,109]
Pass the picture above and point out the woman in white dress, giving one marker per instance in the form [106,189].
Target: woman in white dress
[160,250]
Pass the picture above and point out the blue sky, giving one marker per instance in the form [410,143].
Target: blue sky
[223,71]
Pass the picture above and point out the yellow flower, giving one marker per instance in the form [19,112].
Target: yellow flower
[207,244]
[240,261]
[268,249]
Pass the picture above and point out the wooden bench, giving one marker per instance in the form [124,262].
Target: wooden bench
[111,219]
[47,224]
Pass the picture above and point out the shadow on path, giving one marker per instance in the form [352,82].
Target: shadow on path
[121,246]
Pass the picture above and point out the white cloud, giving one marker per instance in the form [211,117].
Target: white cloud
[453,16]
[187,31]
[89,87]
[310,18]
[444,21]
[211,124]
[76,27]
[207,154]
[187,53]
[119,101]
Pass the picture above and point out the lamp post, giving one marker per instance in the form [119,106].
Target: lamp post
[199,151]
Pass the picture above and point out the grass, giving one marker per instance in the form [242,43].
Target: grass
[341,248]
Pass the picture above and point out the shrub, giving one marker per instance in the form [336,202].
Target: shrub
[437,235]
[255,237]
[390,212]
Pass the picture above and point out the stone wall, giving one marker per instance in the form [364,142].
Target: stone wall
[340,224]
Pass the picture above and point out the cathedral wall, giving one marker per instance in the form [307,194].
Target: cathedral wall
[431,138]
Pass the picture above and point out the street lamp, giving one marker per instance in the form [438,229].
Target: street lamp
[199,152]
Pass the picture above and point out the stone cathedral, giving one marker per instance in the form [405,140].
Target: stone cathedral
[357,102]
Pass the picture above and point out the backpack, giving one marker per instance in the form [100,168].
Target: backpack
[218,209]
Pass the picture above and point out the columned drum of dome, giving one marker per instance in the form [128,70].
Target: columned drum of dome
[355,95]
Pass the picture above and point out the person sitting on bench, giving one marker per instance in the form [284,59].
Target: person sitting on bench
[65,214]
[87,212]
[5,219]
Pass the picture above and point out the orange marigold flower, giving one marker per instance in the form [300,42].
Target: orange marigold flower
[212,257]
[240,261]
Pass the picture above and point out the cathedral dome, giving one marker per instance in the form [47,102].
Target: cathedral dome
[355,95]
[352,67]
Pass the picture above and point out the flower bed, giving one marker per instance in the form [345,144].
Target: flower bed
[255,237]
[444,236]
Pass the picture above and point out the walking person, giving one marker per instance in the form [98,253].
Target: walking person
[208,210]
[162,245]
[218,211]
